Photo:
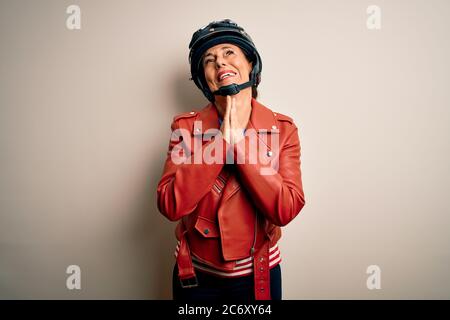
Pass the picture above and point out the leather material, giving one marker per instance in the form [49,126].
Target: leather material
[222,206]
[184,260]
[261,273]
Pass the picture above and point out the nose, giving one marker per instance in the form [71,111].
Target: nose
[220,61]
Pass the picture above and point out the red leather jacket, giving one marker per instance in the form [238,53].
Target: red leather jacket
[221,224]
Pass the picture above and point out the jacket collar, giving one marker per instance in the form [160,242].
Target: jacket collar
[262,118]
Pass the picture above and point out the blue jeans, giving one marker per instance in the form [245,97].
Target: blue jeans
[216,289]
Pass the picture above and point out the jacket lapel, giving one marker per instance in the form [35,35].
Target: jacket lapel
[262,118]
[262,121]
[208,118]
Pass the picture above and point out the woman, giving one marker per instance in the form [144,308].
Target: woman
[230,210]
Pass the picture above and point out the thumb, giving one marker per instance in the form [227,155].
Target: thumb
[228,110]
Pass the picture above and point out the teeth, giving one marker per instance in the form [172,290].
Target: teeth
[225,75]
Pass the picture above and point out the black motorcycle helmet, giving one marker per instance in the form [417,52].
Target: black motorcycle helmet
[216,32]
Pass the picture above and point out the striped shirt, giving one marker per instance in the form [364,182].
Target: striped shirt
[243,267]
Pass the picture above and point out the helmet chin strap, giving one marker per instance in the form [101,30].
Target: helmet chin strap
[232,89]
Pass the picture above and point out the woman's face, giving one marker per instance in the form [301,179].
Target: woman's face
[225,64]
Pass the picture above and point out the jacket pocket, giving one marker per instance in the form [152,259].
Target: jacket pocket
[207,228]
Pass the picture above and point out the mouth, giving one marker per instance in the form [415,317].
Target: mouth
[223,75]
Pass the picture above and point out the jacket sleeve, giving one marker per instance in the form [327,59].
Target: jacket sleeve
[279,196]
[184,182]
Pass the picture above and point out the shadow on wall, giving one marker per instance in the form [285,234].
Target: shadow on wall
[155,236]
[187,96]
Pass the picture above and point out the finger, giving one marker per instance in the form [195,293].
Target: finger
[227,111]
[234,124]
[226,121]
[233,114]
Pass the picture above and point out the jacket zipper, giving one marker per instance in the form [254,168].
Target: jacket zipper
[219,185]
[219,190]
[252,249]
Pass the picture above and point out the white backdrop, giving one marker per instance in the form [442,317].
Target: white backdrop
[85,124]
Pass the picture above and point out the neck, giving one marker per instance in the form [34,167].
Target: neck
[243,103]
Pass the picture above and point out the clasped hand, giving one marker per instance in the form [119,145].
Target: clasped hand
[232,127]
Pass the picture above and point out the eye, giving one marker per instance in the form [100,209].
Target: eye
[207,61]
[228,52]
